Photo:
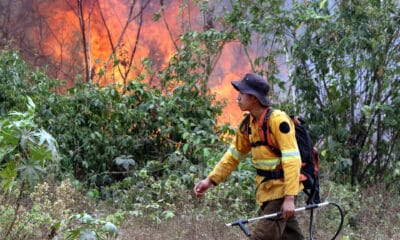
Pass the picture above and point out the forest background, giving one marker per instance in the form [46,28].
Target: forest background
[112,110]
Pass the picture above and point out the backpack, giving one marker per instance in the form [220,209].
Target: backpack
[309,174]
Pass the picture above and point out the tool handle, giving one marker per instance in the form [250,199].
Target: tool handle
[241,223]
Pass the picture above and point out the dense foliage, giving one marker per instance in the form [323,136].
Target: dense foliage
[142,147]
[343,70]
[346,72]
[105,135]
[342,64]
[139,150]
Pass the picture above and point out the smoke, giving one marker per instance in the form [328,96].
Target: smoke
[77,40]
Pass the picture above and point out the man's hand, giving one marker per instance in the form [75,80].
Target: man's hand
[201,187]
[288,207]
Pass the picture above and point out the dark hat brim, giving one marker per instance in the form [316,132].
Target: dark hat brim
[242,87]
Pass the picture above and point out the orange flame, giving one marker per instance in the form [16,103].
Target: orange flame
[155,42]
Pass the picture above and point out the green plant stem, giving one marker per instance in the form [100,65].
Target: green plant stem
[16,209]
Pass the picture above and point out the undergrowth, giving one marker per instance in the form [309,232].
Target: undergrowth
[65,210]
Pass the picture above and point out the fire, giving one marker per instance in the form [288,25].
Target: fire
[105,29]
[232,68]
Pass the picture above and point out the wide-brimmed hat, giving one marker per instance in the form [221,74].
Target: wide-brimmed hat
[255,85]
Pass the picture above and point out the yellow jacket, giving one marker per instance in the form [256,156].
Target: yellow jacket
[265,159]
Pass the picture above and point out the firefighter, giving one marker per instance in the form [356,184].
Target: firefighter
[274,192]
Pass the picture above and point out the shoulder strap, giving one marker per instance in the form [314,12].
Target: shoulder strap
[267,132]
[244,125]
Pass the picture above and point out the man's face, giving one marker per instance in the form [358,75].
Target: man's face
[246,101]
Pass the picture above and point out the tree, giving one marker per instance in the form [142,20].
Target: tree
[342,62]
[122,60]
[346,75]
[49,38]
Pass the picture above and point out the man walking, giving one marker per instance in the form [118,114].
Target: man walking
[277,178]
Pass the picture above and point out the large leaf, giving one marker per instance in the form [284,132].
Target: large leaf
[125,161]
[39,153]
[87,234]
[8,175]
[9,136]
[5,149]
[49,141]
[30,170]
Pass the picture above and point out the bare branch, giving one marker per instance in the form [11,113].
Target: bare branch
[166,24]
[131,17]
[83,33]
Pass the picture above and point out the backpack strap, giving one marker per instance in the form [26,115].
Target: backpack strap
[244,126]
[266,134]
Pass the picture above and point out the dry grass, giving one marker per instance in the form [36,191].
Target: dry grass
[181,227]
[370,214]
[377,217]
[206,227]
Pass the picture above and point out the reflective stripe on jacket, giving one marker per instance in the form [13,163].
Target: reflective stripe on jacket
[265,159]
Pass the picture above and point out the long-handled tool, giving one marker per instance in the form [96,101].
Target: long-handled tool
[241,222]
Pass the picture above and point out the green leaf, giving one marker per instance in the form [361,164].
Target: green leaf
[86,218]
[206,152]
[31,106]
[156,16]
[111,229]
[6,149]
[322,3]
[39,153]
[93,193]
[168,214]
[30,170]
[49,141]
[8,136]
[73,234]
[185,147]
[8,175]
[125,161]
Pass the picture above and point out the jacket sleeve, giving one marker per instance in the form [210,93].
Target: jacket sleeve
[283,130]
[238,149]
